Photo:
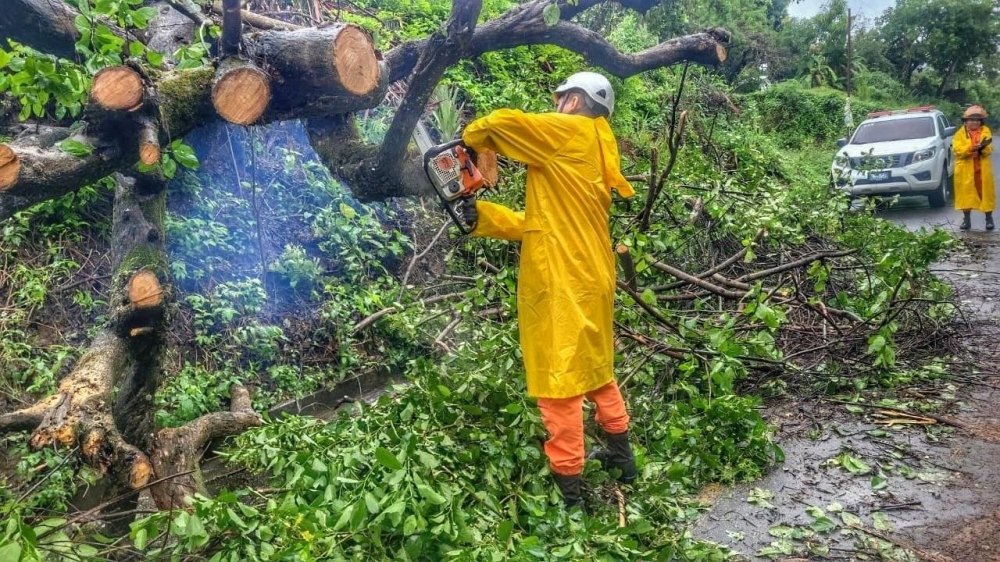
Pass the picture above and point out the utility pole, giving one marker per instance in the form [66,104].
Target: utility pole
[849,22]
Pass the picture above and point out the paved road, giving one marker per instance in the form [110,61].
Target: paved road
[914,213]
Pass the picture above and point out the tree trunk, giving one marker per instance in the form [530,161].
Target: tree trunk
[80,412]
[321,71]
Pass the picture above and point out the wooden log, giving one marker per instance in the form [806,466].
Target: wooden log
[117,88]
[241,91]
[321,71]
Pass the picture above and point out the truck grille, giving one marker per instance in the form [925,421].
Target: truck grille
[881,162]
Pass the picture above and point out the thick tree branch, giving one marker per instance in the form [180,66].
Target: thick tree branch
[43,25]
[178,451]
[525,25]
[442,49]
[33,168]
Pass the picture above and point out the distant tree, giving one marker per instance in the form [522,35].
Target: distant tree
[947,36]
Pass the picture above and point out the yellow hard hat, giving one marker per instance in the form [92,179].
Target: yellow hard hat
[975,112]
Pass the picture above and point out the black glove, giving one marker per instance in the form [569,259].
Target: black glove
[467,208]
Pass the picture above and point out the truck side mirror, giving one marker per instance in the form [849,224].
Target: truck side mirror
[841,143]
[950,132]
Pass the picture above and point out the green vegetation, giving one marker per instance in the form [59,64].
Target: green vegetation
[273,271]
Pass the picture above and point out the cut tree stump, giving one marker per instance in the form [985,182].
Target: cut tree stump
[240,92]
[117,88]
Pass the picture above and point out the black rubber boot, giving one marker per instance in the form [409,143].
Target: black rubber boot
[989,221]
[967,221]
[617,454]
[571,488]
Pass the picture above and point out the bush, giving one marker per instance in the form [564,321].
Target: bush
[801,116]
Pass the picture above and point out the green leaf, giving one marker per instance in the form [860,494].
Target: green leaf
[75,147]
[169,166]
[881,522]
[136,49]
[185,156]
[550,14]
[505,529]
[139,540]
[648,296]
[850,519]
[154,58]
[371,503]
[10,552]
[431,495]
[345,518]
[387,459]
[823,525]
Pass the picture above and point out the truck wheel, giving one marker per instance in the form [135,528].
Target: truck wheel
[938,197]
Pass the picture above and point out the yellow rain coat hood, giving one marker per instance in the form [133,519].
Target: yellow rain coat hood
[566,290]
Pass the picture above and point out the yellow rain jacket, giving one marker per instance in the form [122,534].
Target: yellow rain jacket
[566,290]
[969,194]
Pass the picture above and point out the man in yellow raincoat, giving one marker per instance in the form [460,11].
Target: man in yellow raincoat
[974,188]
[566,291]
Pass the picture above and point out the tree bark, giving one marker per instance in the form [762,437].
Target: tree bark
[80,412]
[318,72]
[32,170]
[43,25]
[525,25]
[177,452]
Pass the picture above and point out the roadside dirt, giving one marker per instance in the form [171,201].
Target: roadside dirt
[855,488]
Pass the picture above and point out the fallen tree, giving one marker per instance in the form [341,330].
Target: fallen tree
[278,71]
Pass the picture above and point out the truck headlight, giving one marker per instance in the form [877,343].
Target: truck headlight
[923,155]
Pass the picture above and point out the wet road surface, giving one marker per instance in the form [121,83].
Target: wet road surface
[945,507]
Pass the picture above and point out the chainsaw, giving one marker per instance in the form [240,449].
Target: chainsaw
[450,169]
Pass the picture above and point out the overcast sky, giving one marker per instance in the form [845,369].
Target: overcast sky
[869,8]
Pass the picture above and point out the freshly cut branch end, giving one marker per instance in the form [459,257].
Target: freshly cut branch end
[117,88]
[241,92]
[149,144]
[354,61]
[144,290]
[10,167]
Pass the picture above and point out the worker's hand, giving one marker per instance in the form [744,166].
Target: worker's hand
[468,210]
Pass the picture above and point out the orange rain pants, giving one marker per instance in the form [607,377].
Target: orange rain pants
[563,419]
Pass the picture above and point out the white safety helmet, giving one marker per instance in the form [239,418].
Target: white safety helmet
[594,86]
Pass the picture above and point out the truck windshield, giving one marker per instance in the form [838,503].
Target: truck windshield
[896,130]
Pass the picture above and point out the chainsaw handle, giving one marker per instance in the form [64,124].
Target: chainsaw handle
[458,219]
[438,149]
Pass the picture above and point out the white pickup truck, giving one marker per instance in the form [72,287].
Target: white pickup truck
[905,152]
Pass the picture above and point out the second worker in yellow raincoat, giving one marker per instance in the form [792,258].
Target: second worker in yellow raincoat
[974,187]
[566,289]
